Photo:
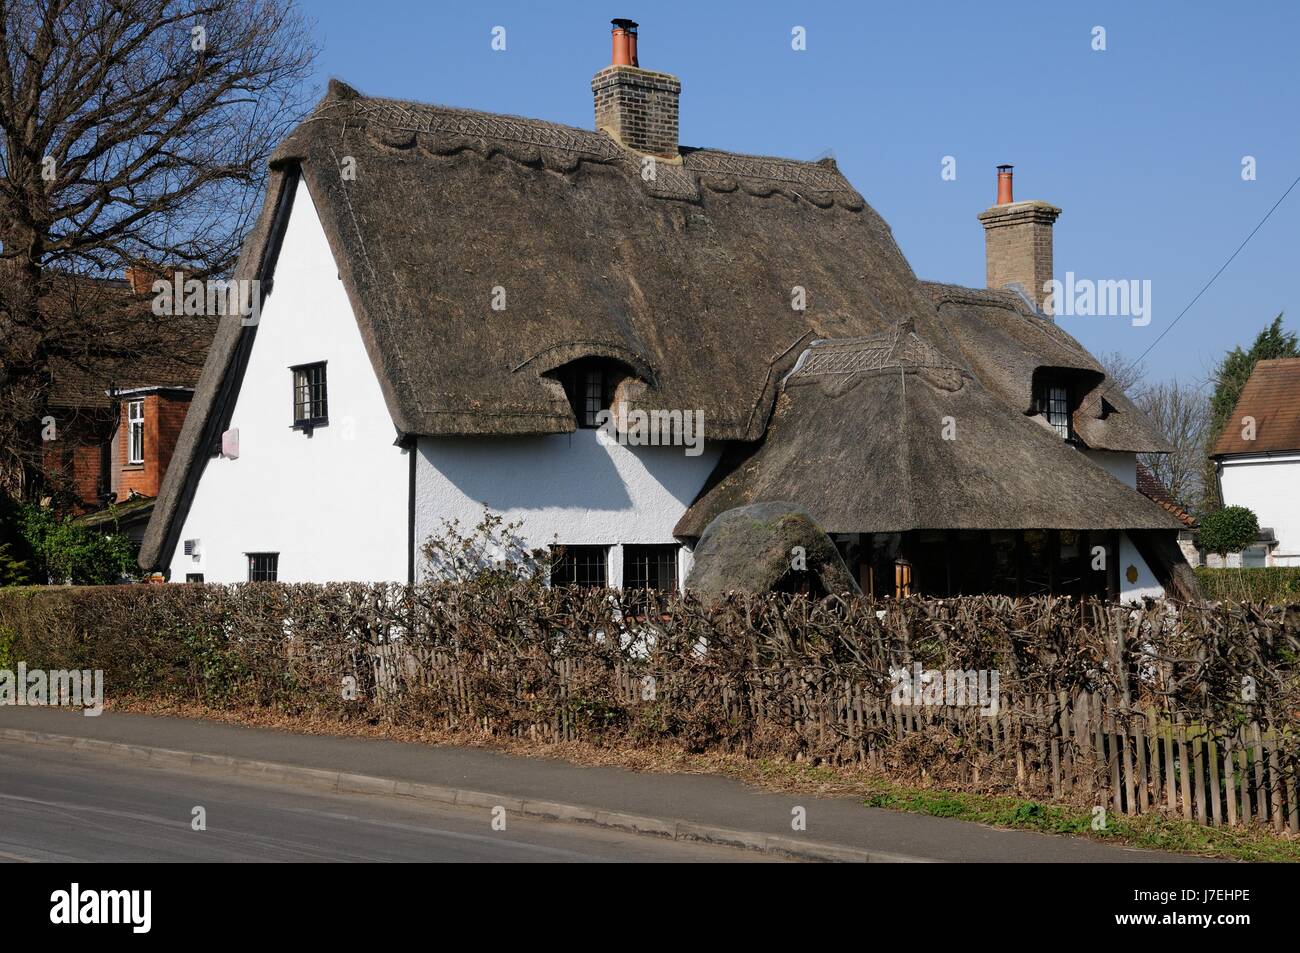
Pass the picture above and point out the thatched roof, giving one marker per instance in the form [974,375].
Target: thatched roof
[449,204]
[752,549]
[1006,342]
[886,434]
[685,276]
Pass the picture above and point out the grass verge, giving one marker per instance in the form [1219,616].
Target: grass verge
[1149,831]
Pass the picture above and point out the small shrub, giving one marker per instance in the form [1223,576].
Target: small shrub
[492,552]
[1229,530]
[67,551]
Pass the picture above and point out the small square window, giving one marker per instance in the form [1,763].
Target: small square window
[263,567]
[581,566]
[650,567]
[135,431]
[310,400]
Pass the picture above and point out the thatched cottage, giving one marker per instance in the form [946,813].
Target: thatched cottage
[454,302]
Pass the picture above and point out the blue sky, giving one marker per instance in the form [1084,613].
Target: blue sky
[1140,145]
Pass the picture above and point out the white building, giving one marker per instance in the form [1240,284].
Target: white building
[450,299]
[1258,461]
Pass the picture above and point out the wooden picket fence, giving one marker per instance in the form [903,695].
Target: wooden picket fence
[1083,747]
[1086,747]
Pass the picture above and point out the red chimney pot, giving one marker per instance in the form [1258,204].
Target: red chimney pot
[624,35]
[1004,185]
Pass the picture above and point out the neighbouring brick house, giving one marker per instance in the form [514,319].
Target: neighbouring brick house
[117,411]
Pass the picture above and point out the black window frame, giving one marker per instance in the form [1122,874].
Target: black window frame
[194,577]
[305,402]
[645,564]
[270,571]
[585,566]
[1056,404]
[590,385]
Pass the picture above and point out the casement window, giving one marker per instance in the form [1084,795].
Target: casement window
[590,386]
[310,401]
[650,567]
[135,431]
[1054,405]
[263,567]
[581,566]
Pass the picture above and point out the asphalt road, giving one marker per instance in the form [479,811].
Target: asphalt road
[61,805]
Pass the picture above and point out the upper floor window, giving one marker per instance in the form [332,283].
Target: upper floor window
[310,403]
[590,385]
[581,566]
[135,431]
[263,567]
[1054,405]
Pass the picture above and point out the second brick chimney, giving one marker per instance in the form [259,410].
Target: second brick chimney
[1018,241]
[637,107]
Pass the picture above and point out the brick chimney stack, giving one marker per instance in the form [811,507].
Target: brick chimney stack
[636,107]
[1018,241]
[140,279]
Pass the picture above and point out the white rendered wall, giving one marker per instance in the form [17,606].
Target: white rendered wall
[1122,466]
[580,488]
[1146,583]
[333,505]
[1270,486]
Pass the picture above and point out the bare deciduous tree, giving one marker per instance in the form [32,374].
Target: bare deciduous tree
[1124,373]
[135,133]
[1182,412]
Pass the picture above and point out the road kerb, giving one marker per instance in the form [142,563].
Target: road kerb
[344,782]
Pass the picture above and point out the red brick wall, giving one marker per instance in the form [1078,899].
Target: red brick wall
[163,416]
[74,461]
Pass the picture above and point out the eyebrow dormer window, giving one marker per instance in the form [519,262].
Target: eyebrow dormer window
[1054,405]
[590,386]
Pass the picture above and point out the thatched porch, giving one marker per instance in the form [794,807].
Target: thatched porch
[973,562]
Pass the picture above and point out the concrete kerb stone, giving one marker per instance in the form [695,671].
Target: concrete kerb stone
[549,810]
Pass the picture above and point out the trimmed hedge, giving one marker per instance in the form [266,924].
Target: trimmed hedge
[765,676]
[1278,585]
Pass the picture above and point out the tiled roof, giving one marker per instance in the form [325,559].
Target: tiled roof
[1150,487]
[1272,398]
